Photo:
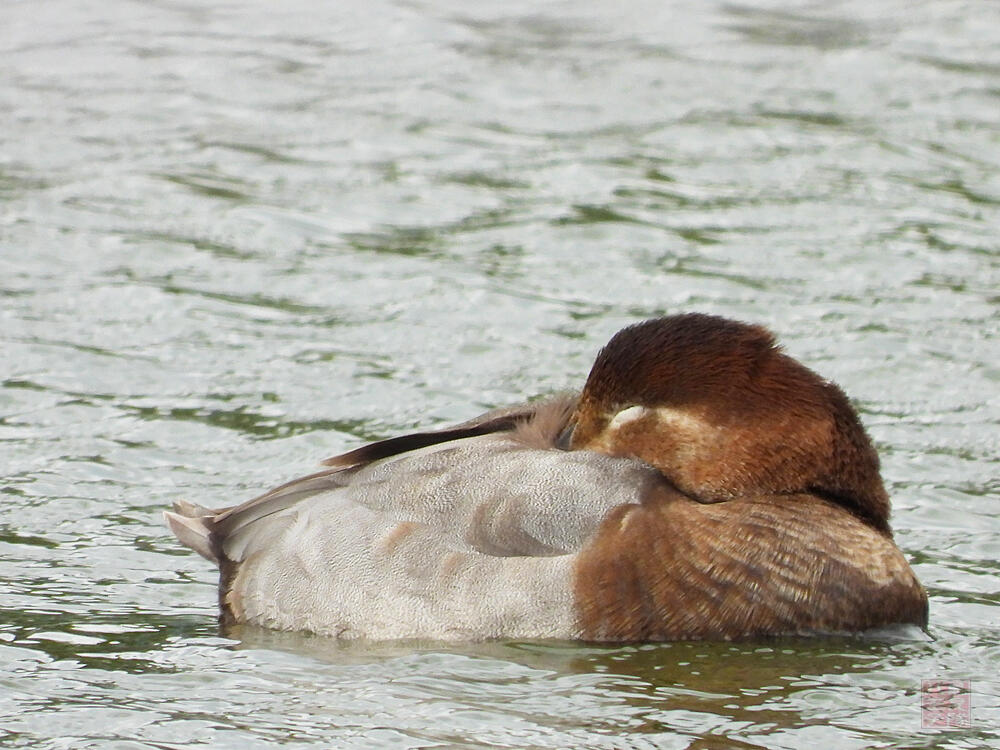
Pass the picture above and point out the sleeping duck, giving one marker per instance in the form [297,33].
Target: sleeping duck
[702,485]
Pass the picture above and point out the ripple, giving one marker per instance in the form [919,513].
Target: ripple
[237,239]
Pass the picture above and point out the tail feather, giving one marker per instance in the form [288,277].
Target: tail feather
[192,525]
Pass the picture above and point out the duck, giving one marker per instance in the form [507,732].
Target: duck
[703,485]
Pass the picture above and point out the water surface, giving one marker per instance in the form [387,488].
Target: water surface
[236,238]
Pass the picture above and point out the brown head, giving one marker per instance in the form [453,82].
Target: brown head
[722,412]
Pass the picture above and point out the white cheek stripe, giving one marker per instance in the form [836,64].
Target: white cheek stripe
[683,419]
[665,416]
[631,414]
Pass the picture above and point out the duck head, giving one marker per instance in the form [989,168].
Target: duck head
[722,412]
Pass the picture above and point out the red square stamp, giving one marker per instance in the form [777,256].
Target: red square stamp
[945,704]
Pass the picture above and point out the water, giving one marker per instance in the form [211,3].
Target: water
[236,238]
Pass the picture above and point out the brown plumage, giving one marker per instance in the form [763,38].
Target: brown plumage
[772,516]
[737,415]
[671,568]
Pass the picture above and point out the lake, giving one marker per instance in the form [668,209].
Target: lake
[239,237]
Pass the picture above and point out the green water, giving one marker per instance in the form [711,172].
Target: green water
[236,238]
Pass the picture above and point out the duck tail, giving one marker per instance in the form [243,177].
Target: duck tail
[192,525]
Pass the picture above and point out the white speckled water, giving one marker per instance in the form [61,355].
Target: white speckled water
[238,237]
